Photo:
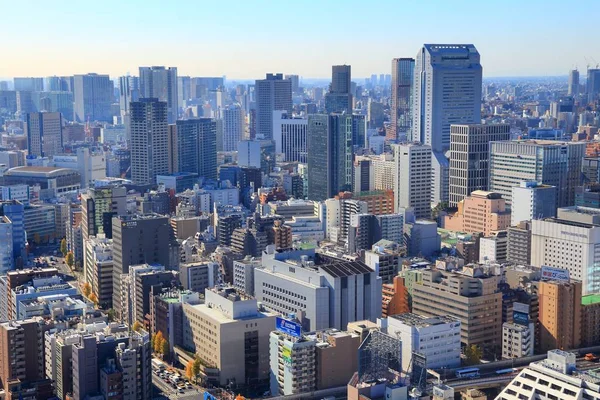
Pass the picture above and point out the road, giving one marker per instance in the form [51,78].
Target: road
[171,393]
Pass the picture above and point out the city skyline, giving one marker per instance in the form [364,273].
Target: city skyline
[211,42]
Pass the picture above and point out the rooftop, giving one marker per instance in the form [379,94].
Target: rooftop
[37,171]
[421,321]
[342,269]
[590,299]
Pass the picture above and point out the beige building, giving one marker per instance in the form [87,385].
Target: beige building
[560,315]
[481,212]
[468,294]
[230,334]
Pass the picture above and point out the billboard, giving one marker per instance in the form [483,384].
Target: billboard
[555,274]
[521,307]
[286,355]
[521,313]
[289,327]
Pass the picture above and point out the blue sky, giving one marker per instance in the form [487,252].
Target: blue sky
[245,39]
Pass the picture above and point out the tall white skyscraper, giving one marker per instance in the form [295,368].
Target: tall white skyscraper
[160,83]
[149,140]
[289,135]
[573,89]
[447,90]
[92,97]
[233,126]
[412,186]
[272,93]
[129,90]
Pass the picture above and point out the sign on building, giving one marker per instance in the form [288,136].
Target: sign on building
[555,274]
[288,327]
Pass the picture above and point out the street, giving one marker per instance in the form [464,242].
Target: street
[168,391]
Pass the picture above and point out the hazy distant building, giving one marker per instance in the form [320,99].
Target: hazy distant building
[573,89]
[339,97]
[92,97]
[149,140]
[44,134]
[233,126]
[160,83]
[129,90]
[272,93]
[402,86]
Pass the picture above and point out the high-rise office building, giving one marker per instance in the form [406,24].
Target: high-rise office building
[28,84]
[138,239]
[535,201]
[161,83]
[412,186]
[592,86]
[295,79]
[184,86]
[339,97]
[289,134]
[402,86]
[547,162]
[129,90]
[233,126]
[447,90]
[149,140]
[272,93]
[98,206]
[195,147]
[469,155]
[359,130]
[92,97]
[329,148]
[44,134]
[573,89]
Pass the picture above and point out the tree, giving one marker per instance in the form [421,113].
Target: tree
[196,367]
[136,326]
[473,354]
[164,348]
[86,289]
[63,247]
[189,370]
[111,314]
[158,339]
[70,259]
[94,299]
[153,341]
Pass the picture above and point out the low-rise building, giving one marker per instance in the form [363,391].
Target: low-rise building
[517,340]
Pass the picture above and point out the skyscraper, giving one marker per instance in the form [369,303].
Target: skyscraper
[295,79]
[289,135]
[447,90]
[233,126]
[413,170]
[573,83]
[161,83]
[592,85]
[129,90]
[329,148]
[402,81]
[149,140]
[44,134]
[272,93]
[469,155]
[92,97]
[547,162]
[339,97]
[196,147]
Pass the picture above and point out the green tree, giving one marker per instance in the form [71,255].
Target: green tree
[70,259]
[63,247]
[196,367]
[473,354]
[110,313]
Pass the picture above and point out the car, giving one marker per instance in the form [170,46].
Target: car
[181,391]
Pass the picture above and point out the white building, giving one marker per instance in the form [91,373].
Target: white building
[570,241]
[98,267]
[556,377]
[493,248]
[233,127]
[307,229]
[323,294]
[517,340]
[535,201]
[249,153]
[438,338]
[16,192]
[243,274]
[289,134]
[293,364]
[384,171]
[413,178]
[90,165]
